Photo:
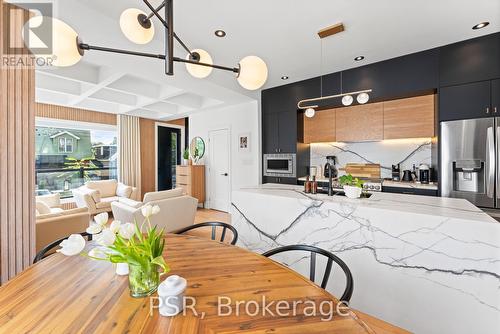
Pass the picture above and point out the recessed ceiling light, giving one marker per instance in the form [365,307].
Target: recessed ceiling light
[480,25]
[220,33]
[284,77]
[358,58]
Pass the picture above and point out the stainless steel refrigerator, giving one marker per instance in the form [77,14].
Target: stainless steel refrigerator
[470,161]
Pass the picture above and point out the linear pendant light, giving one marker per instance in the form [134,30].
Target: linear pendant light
[137,26]
[347,98]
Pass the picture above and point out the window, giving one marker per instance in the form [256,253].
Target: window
[65,145]
[67,154]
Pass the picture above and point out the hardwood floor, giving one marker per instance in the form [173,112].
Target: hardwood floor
[206,215]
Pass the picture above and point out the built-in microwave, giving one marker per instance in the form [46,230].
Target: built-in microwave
[282,164]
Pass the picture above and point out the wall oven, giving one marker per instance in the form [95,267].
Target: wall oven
[281,165]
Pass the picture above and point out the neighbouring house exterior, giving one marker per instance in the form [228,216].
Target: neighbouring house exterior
[54,145]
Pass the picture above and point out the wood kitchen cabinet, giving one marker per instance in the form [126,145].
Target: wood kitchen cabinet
[320,128]
[360,123]
[409,118]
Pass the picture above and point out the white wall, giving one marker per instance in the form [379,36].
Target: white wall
[239,119]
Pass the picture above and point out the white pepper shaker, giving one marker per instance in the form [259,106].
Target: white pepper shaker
[171,293]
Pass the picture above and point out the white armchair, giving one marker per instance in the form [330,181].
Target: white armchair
[176,209]
[97,196]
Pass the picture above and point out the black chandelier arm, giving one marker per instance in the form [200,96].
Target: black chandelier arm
[84,46]
[169,43]
[219,67]
[154,12]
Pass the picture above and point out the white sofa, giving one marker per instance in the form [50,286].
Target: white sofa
[97,196]
[177,210]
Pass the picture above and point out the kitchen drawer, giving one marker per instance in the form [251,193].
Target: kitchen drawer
[410,191]
[183,179]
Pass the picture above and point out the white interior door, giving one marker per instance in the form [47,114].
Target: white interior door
[220,179]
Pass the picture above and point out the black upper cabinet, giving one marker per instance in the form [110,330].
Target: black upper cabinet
[331,86]
[287,132]
[495,97]
[269,133]
[469,61]
[404,76]
[285,98]
[279,132]
[465,101]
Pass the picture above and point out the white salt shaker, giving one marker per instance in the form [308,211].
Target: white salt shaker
[171,293]
[122,269]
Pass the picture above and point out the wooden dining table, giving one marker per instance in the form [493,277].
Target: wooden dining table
[79,295]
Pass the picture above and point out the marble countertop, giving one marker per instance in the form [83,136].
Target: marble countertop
[424,257]
[426,205]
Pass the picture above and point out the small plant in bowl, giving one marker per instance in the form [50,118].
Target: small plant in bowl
[352,186]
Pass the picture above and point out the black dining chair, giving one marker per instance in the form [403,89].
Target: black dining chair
[214,226]
[43,253]
[346,296]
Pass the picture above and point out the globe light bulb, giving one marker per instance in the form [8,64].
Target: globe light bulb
[64,51]
[347,100]
[310,112]
[199,71]
[253,73]
[136,27]
[363,98]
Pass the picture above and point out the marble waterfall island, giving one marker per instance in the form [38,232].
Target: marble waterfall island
[427,264]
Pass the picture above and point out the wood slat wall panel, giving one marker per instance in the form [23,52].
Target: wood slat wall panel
[74,114]
[17,128]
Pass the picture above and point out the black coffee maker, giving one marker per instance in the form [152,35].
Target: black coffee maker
[331,160]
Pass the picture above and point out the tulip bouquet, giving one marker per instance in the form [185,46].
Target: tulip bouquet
[139,247]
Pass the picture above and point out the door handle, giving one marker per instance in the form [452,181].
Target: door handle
[487,110]
[224,174]
[498,163]
[490,162]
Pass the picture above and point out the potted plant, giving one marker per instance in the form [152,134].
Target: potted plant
[185,156]
[141,248]
[352,186]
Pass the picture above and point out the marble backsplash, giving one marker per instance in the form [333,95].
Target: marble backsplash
[386,153]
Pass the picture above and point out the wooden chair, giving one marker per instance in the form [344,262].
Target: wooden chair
[43,253]
[214,226]
[346,296]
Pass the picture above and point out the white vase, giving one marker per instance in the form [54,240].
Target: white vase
[122,269]
[352,192]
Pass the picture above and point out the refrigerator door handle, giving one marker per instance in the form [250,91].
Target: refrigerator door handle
[490,162]
[498,162]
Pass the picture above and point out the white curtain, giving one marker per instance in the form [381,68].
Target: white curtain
[129,146]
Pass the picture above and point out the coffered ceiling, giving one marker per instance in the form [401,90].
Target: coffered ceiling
[282,32]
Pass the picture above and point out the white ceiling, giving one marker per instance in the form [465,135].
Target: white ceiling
[282,32]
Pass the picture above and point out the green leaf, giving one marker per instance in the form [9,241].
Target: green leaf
[159,260]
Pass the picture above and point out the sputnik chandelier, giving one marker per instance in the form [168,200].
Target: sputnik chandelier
[68,48]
